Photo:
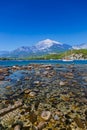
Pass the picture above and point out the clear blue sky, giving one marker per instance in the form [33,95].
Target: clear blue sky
[25,22]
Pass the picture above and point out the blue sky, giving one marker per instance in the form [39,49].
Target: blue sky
[25,22]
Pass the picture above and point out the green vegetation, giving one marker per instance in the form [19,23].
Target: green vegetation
[76,54]
[81,51]
[4,58]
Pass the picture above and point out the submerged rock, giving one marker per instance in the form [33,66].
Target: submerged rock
[46,115]
[56,117]
[44,97]
[62,83]
[32,117]
[79,122]
[2,77]
[18,126]
[41,125]
[32,94]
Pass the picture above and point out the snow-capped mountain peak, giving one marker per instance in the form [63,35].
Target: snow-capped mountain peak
[46,44]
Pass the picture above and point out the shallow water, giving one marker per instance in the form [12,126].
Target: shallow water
[16,79]
[26,62]
[58,88]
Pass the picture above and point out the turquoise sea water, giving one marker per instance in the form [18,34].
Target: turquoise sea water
[26,62]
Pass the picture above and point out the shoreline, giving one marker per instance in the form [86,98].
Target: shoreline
[35,59]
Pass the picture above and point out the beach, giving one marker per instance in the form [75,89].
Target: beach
[43,97]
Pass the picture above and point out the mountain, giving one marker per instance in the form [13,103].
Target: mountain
[50,46]
[41,48]
[45,44]
[81,46]
[3,52]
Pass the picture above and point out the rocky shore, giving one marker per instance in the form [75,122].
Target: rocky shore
[43,97]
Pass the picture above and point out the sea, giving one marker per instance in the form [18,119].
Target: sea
[6,63]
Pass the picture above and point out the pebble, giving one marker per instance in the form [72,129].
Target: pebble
[27,91]
[61,83]
[41,125]
[46,115]
[8,87]
[32,94]
[56,117]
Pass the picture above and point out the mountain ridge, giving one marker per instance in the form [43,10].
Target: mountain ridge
[43,47]
[81,46]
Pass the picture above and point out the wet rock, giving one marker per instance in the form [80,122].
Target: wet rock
[8,87]
[26,128]
[1,127]
[10,108]
[1,71]
[2,77]
[26,78]
[79,122]
[46,115]
[86,112]
[56,117]
[62,83]
[32,117]
[27,91]
[37,82]
[36,104]
[32,94]
[18,126]
[48,67]
[33,128]
[85,78]
[3,105]
[65,97]
[67,122]
[45,73]
[29,67]
[4,71]
[37,73]
[16,67]
[85,91]
[41,125]
[69,128]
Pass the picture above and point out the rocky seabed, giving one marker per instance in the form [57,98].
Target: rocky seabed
[43,97]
